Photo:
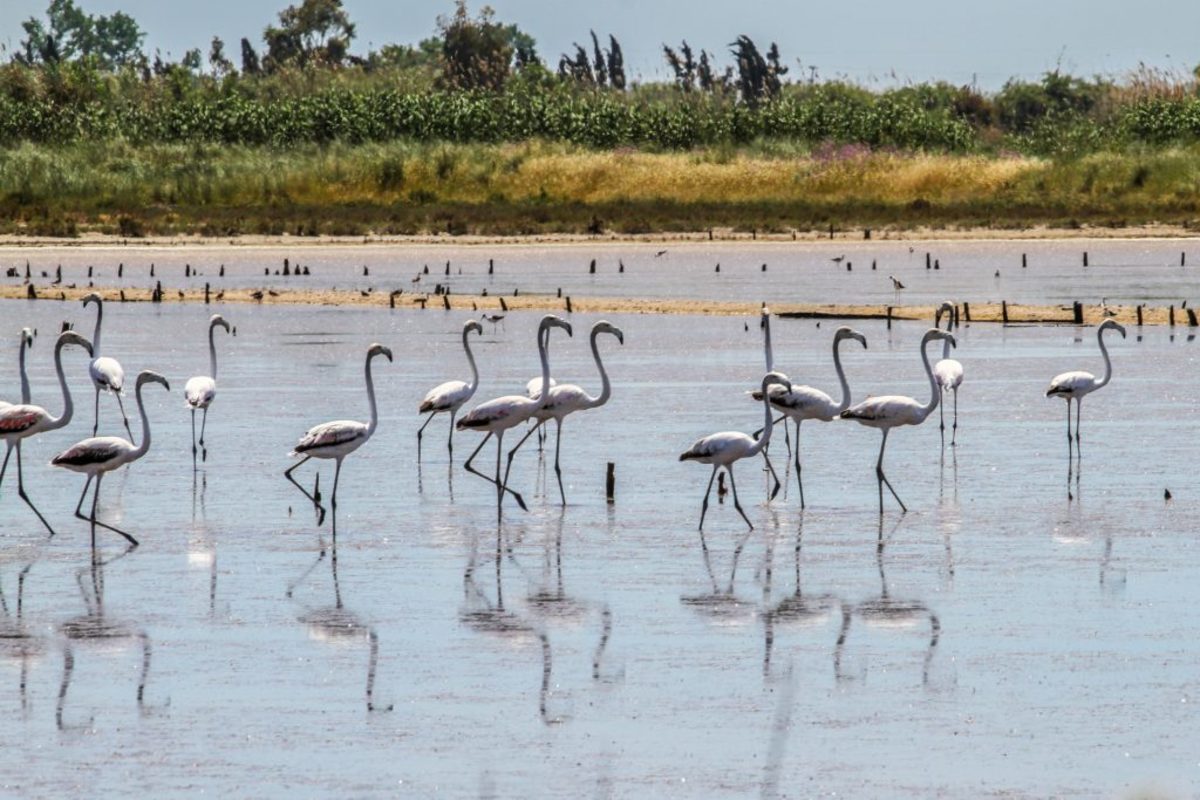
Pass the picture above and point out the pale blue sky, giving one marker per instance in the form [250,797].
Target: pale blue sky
[878,43]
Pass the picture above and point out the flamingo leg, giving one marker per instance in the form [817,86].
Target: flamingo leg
[337,472]
[771,470]
[736,503]
[883,478]
[942,412]
[1078,419]
[780,419]
[707,492]
[954,432]
[799,480]
[1068,428]
[193,438]
[513,452]
[124,417]
[203,426]
[450,438]
[79,508]
[4,466]
[557,470]
[96,424]
[25,497]
[421,431]
[488,478]
[288,474]
[97,523]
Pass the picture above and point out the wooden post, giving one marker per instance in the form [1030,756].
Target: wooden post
[610,482]
[121,269]
[206,290]
[89,271]
[1085,258]
[447,267]
[967,311]
[592,268]
[560,292]
[1004,311]
[866,233]
[754,233]
[568,298]
[764,267]
[889,318]
[1191,318]
[1024,263]
[446,302]
[1183,259]
[122,295]
[1171,316]
[831,230]
[503,305]
[710,234]
[421,302]
[491,266]
[392,300]
[30,292]
[954,315]
[718,269]
[928,261]
[1139,313]
[516,292]
[1077,312]
[872,264]
[937,264]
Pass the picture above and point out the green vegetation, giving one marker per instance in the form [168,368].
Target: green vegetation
[470,131]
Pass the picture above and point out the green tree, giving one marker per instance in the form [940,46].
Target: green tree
[476,53]
[68,34]
[316,31]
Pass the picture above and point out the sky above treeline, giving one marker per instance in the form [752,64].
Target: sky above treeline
[878,43]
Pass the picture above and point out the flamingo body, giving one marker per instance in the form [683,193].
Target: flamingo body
[722,448]
[948,373]
[448,396]
[199,392]
[21,421]
[1072,385]
[887,411]
[336,439]
[96,455]
[533,388]
[500,414]
[107,374]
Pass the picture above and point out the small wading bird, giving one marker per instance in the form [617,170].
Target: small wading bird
[495,319]
[451,395]
[337,439]
[805,402]
[723,449]
[893,411]
[106,373]
[18,422]
[1076,385]
[497,416]
[568,398]
[26,343]
[200,391]
[948,373]
[100,454]
[897,285]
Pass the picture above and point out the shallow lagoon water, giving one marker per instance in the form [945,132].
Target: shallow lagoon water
[609,650]
[1123,271]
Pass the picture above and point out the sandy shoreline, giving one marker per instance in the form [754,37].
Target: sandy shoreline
[722,235]
[984,312]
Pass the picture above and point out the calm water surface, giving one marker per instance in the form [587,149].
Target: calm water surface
[999,639]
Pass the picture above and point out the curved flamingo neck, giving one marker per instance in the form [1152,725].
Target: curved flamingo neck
[371,399]
[25,394]
[543,345]
[765,437]
[841,373]
[470,360]
[142,448]
[949,328]
[212,352]
[1107,362]
[928,408]
[605,386]
[767,349]
[68,406]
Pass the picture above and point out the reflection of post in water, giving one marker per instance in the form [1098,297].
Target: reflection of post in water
[95,626]
[886,611]
[336,623]
[797,609]
[17,643]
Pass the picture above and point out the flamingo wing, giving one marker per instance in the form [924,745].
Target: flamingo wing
[107,373]
[948,373]
[1068,384]
[20,418]
[724,447]
[199,391]
[446,396]
[330,434]
[887,410]
[96,450]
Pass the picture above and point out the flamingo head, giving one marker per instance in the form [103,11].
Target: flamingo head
[473,325]
[604,326]
[552,320]
[846,332]
[27,337]
[945,308]
[216,320]
[71,337]
[934,333]
[1109,323]
[378,350]
[775,377]
[150,376]
[91,298]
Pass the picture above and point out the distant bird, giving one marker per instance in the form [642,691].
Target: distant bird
[948,373]
[273,293]
[1108,312]
[106,373]
[897,285]
[893,411]
[200,391]
[497,416]
[804,402]
[337,439]
[838,259]
[25,343]
[566,399]
[495,319]
[660,253]
[98,455]
[725,448]
[416,279]
[21,421]
[257,295]
[1076,385]
[1166,494]
[451,395]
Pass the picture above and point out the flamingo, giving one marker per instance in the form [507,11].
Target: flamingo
[723,449]
[1075,385]
[497,416]
[805,402]
[18,422]
[106,373]
[337,439]
[26,343]
[769,354]
[200,391]
[892,411]
[949,374]
[567,399]
[451,395]
[98,455]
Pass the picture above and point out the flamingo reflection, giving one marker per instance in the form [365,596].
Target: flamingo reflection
[796,610]
[17,642]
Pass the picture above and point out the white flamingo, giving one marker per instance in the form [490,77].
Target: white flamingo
[769,354]
[723,449]
[497,416]
[533,390]
[200,391]
[804,402]
[337,439]
[1076,385]
[451,395]
[18,422]
[893,411]
[567,398]
[106,373]
[949,374]
[25,344]
[101,454]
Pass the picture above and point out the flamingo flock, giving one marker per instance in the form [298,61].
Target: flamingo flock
[543,400]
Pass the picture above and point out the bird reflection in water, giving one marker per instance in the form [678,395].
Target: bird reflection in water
[336,624]
[202,550]
[97,628]
[887,612]
[798,609]
[721,605]
[949,512]
[17,642]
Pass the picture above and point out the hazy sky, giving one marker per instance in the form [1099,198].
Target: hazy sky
[878,43]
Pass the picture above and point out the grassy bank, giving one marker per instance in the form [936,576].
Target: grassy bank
[531,188]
